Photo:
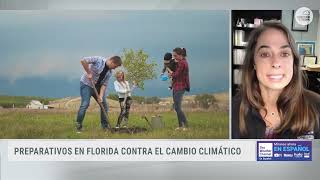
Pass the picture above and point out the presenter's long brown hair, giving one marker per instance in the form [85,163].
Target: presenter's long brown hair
[295,112]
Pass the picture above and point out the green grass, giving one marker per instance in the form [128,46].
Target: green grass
[21,101]
[47,124]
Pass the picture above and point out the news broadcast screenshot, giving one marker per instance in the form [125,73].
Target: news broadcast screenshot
[157,89]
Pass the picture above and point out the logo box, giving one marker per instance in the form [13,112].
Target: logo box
[284,150]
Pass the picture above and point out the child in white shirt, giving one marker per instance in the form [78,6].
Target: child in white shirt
[123,89]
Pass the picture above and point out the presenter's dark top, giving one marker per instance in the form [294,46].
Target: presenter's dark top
[256,126]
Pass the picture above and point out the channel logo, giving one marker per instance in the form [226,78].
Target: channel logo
[284,151]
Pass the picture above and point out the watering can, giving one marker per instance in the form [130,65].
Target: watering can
[157,122]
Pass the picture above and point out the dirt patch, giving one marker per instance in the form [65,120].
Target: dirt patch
[131,130]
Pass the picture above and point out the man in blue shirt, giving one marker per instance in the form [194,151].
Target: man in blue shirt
[97,69]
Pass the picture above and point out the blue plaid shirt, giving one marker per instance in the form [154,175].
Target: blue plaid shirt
[96,65]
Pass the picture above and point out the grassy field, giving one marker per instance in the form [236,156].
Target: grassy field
[47,124]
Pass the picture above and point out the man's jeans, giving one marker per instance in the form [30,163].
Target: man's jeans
[177,99]
[86,92]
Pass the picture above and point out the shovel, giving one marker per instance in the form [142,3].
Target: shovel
[101,106]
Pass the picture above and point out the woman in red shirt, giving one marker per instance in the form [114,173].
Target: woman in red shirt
[180,84]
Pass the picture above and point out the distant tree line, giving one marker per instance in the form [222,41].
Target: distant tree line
[21,101]
[202,100]
[205,100]
[138,99]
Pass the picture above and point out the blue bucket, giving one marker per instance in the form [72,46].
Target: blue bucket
[164,77]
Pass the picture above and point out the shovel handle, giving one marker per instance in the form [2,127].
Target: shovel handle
[100,104]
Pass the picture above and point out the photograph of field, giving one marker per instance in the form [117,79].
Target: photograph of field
[44,54]
[206,123]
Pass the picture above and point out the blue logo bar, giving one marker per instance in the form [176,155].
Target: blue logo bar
[284,151]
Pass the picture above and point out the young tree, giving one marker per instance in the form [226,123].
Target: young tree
[138,68]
